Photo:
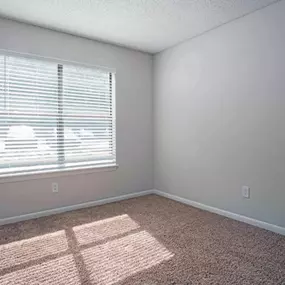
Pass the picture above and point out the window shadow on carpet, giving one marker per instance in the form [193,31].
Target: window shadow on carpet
[102,252]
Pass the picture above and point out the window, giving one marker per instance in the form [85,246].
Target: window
[54,116]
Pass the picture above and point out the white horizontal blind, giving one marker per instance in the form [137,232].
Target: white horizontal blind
[54,116]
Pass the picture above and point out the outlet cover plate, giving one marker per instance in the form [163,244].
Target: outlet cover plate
[54,187]
[245,191]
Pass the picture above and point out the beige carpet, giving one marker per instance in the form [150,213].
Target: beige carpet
[148,240]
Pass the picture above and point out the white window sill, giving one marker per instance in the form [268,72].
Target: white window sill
[43,174]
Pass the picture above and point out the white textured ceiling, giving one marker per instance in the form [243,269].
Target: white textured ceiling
[147,25]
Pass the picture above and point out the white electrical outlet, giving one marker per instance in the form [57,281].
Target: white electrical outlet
[54,187]
[245,191]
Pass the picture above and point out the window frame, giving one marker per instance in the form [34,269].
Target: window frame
[61,167]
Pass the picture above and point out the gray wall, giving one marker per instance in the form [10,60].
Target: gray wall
[219,112]
[134,122]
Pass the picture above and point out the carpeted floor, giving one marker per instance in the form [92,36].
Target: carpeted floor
[148,240]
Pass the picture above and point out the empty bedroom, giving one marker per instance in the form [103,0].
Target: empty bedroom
[142,142]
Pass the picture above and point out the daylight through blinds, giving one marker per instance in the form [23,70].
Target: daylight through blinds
[54,116]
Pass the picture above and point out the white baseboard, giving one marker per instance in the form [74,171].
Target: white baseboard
[35,215]
[253,222]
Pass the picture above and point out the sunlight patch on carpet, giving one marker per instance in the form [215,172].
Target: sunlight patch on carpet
[60,271]
[118,259]
[23,251]
[103,229]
